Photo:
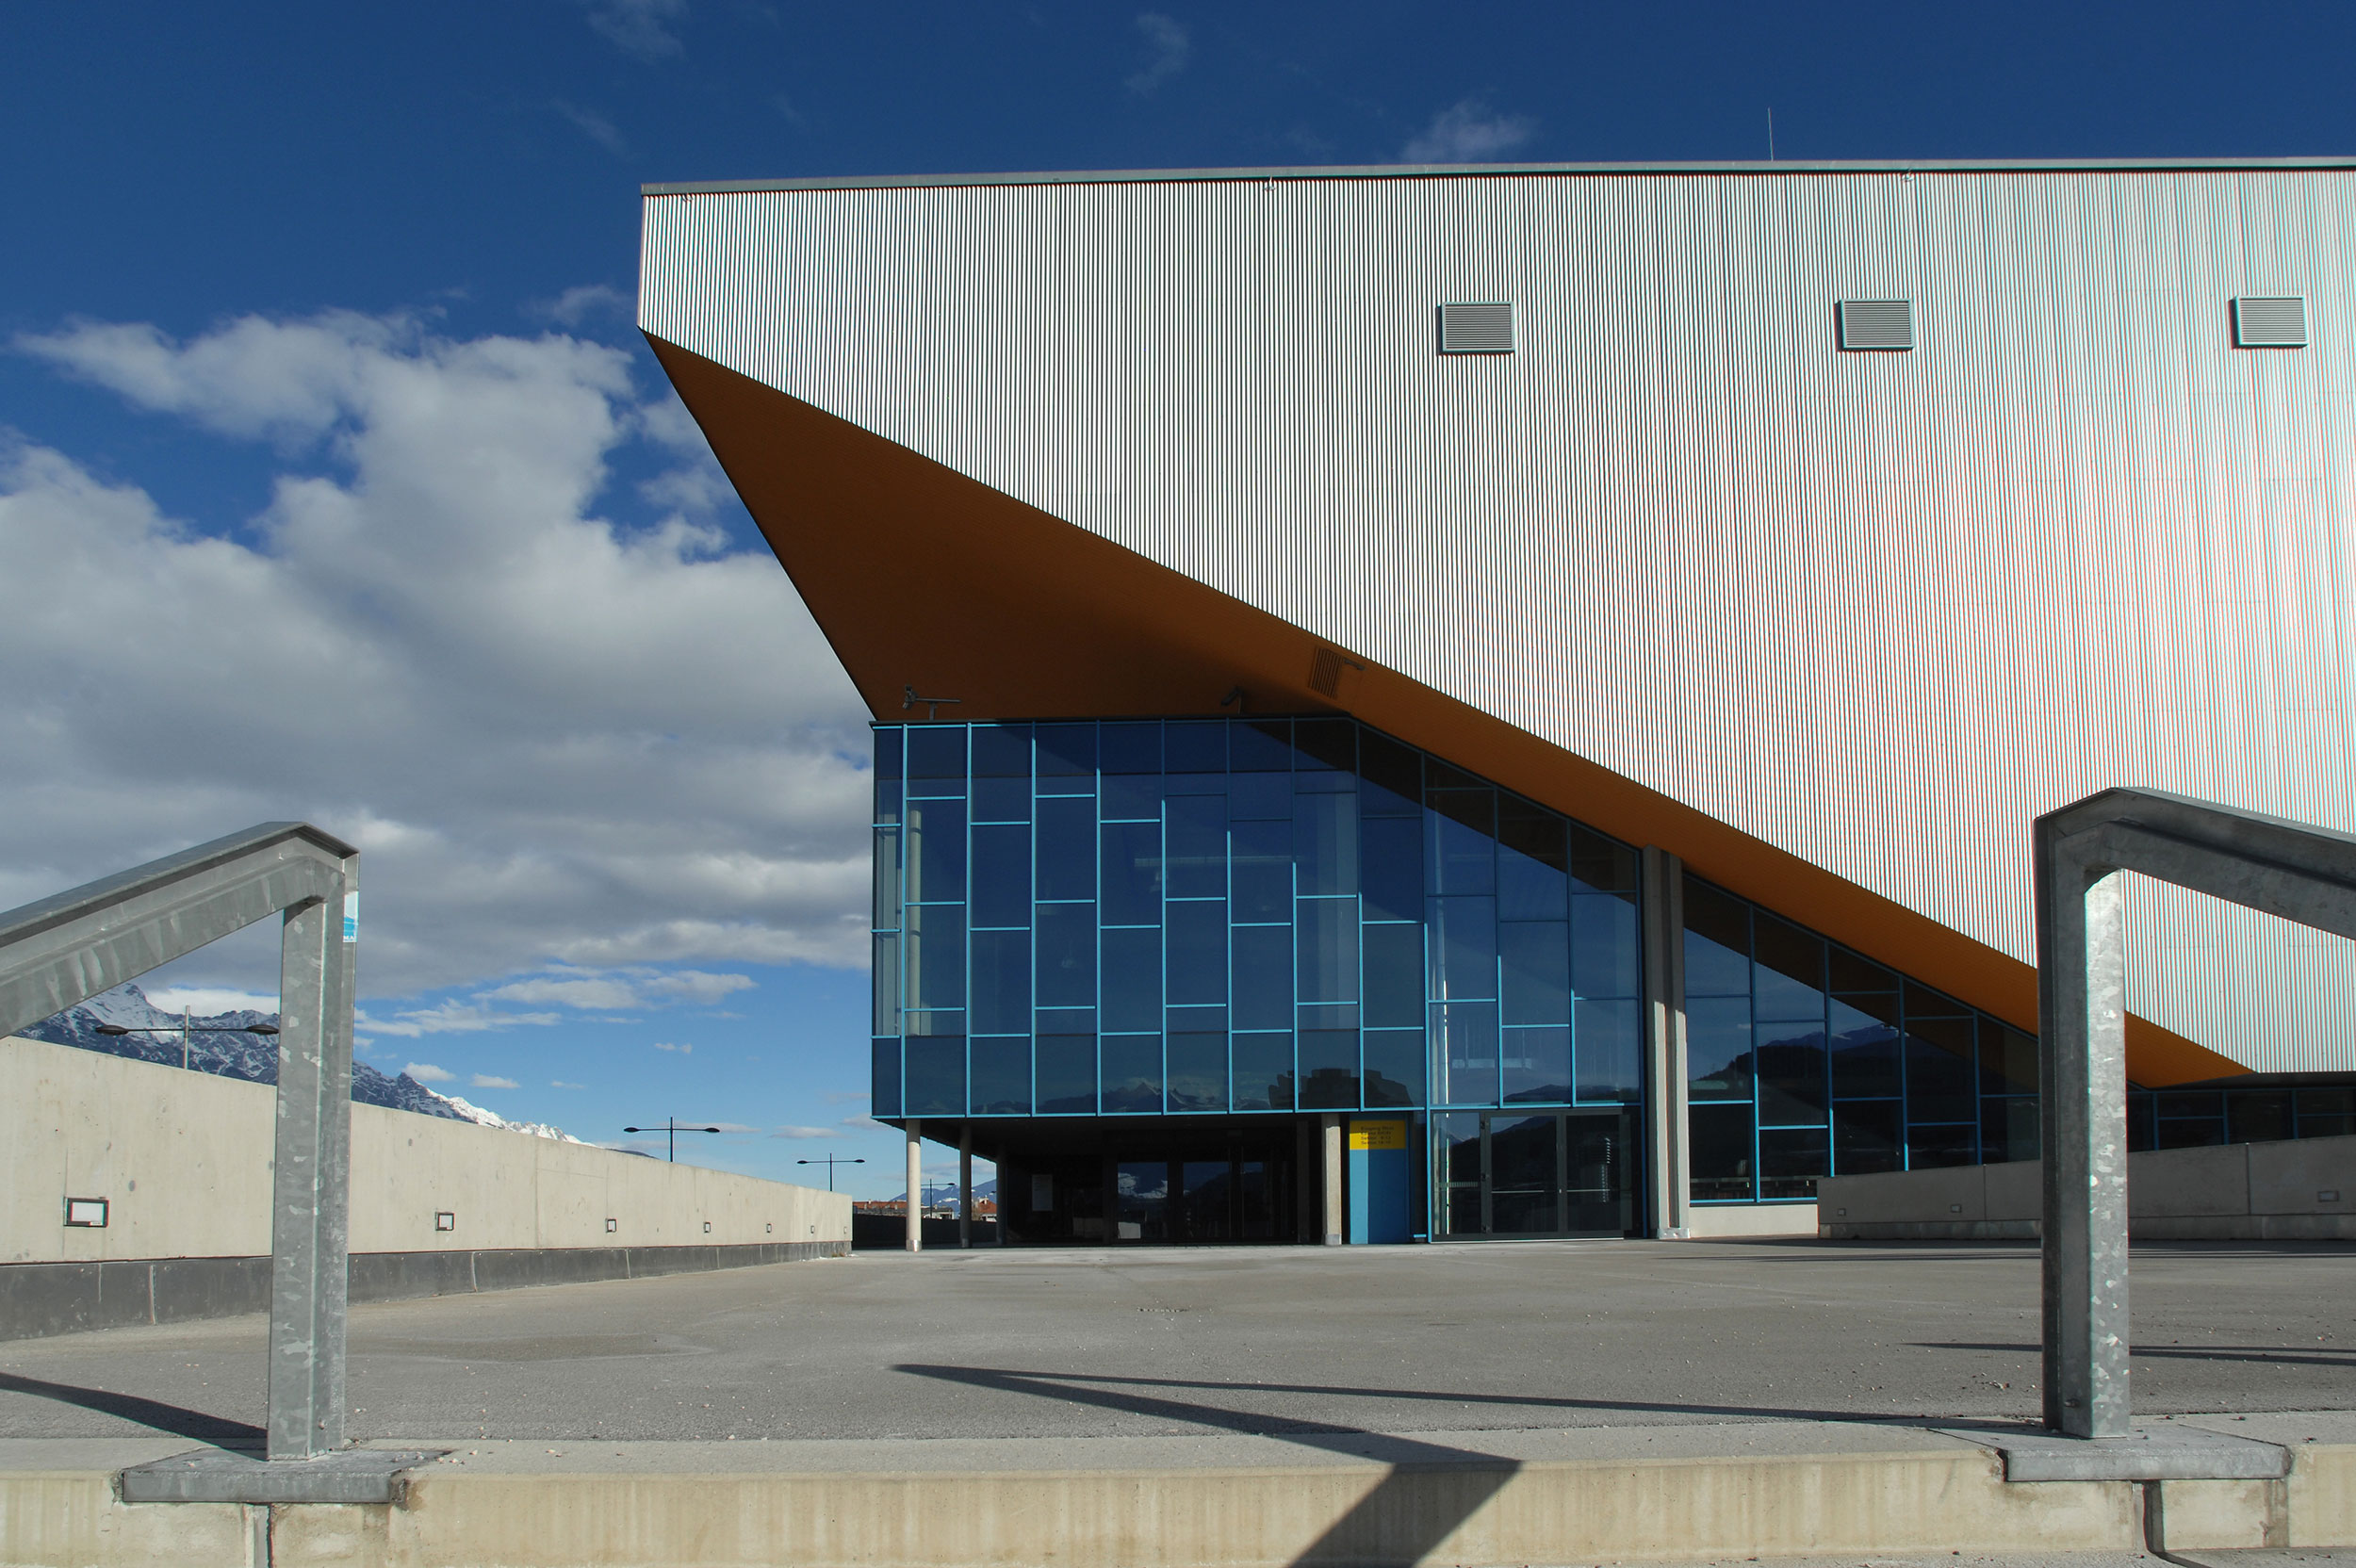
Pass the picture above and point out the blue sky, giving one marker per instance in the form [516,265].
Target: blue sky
[335,482]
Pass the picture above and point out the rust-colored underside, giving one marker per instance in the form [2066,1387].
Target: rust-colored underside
[922,577]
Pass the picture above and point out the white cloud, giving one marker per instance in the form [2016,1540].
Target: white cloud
[561,1084]
[1169,47]
[666,1045]
[205,1000]
[1467,133]
[484,1081]
[639,27]
[558,740]
[791,1132]
[597,128]
[577,304]
[426,1072]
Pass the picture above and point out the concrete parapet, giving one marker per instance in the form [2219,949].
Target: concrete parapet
[2302,1190]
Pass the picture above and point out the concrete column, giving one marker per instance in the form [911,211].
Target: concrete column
[965,1185]
[311,1177]
[916,1185]
[1668,1163]
[1331,1142]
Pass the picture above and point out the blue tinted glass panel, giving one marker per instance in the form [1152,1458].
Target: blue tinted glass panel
[1329,1070]
[1865,1138]
[1263,970]
[1789,1063]
[1391,867]
[1535,961]
[1065,752]
[1610,1046]
[1930,1146]
[1001,875]
[1197,954]
[1717,943]
[1130,988]
[1466,1034]
[1262,871]
[1789,976]
[1724,1167]
[1851,973]
[1463,948]
[1066,1075]
[1394,962]
[1390,778]
[936,851]
[1130,747]
[1598,865]
[1329,950]
[1133,1073]
[886,915]
[1194,748]
[1001,1076]
[1325,844]
[1536,1064]
[1463,825]
[1264,1072]
[1132,796]
[1001,751]
[1718,1048]
[1939,1071]
[1533,861]
[1325,745]
[1606,957]
[1259,797]
[1864,1048]
[884,1080]
[936,955]
[1264,745]
[1002,800]
[1789,1161]
[1001,1002]
[1196,1021]
[1196,851]
[1395,1066]
[885,974]
[1133,874]
[888,746]
[936,753]
[936,1085]
[1067,954]
[1067,847]
[1197,1071]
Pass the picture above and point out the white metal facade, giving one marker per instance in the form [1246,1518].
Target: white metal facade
[1877,609]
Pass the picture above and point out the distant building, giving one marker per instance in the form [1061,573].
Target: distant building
[1446,704]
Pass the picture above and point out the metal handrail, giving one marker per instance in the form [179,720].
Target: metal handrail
[61,951]
[2267,863]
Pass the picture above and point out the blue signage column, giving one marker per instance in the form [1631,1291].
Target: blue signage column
[1382,1181]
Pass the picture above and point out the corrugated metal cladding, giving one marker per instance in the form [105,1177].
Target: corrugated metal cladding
[1879,609]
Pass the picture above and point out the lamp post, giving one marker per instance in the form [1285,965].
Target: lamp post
[671,1126]
[117,1030]
[830,1162]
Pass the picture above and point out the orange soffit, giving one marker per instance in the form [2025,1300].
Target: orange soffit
[924,578]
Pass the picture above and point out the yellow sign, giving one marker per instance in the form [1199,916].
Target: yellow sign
[1378,1135]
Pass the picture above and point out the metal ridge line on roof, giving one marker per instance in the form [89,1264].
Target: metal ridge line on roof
[1441,171]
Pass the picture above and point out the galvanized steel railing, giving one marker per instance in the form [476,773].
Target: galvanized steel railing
[61,951]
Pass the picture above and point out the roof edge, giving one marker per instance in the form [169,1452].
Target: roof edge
[1494,171]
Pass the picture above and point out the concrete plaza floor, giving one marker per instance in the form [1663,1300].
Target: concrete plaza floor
[998,1343]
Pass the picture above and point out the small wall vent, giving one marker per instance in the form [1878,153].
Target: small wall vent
[1870,324]
[1476,329]
[2278,323]
[1330,672]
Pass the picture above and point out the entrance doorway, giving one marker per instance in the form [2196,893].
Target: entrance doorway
[1526,1173]
[1234,1196]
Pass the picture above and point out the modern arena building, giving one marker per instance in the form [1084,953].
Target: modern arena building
[1509,702]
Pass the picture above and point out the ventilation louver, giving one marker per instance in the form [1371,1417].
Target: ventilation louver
[2279,323]
[1876,324]
[1476,329]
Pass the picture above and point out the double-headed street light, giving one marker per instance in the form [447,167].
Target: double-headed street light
[119,1030]
[671,1126]
[830,1162]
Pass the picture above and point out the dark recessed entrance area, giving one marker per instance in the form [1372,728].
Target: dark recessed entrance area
[1536,1173]
[1212,1180]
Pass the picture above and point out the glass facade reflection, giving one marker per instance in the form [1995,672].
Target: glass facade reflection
[1235,915]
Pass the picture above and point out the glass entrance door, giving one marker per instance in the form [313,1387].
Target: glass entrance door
[1529,1174]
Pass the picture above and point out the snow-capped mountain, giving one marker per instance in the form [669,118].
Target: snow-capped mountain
[253,1057]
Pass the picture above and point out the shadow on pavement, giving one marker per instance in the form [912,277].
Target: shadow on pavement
[175,1419]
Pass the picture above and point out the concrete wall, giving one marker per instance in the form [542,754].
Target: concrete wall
[1728,1221]
[184,1161]
[2299,1190]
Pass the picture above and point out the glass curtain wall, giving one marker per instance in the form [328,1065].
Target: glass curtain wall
[1235,916]
[1805,1060]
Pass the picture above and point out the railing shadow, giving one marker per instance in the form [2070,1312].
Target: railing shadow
[179,1421]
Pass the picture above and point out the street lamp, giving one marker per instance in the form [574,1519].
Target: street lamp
[830,1162]
[117,1030]
[671,1126]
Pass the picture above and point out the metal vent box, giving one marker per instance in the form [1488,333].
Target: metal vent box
[2279,323]
[1476,329]
[1876,323]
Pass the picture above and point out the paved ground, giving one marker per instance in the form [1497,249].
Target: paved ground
[1080,1344]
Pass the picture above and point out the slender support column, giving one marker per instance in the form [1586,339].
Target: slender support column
[965,1184]
[916,1185]
[311,1176]
[1329,1141]
[1668,1165]
[2082,1070]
